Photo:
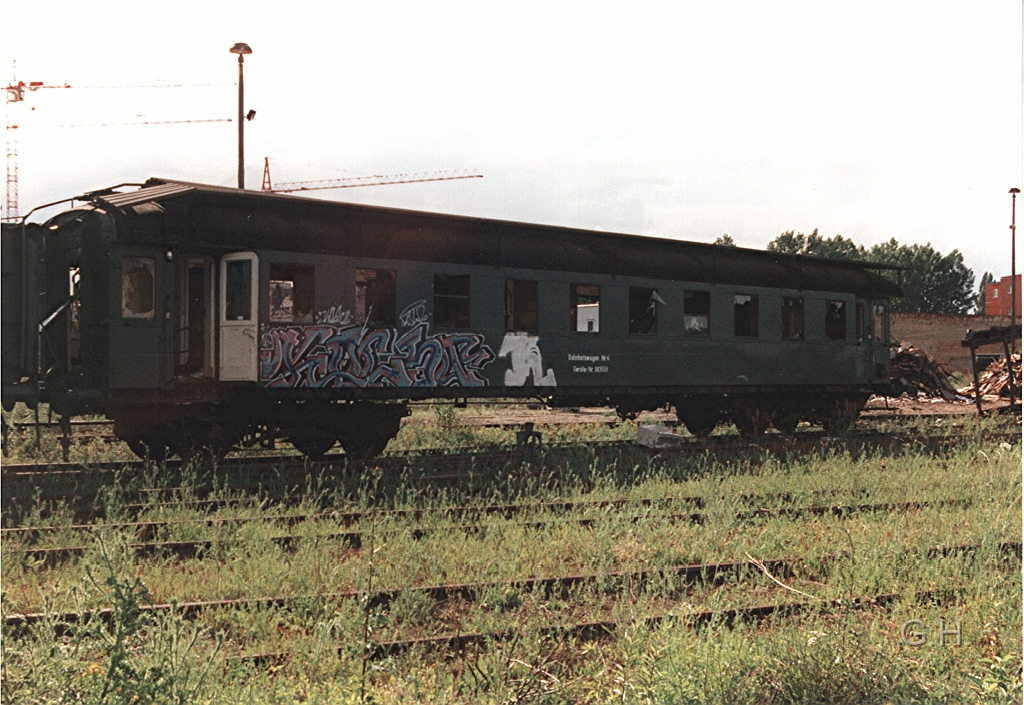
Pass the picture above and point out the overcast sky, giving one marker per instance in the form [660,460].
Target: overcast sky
[873,120]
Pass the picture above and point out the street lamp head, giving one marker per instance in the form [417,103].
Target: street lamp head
[240,48]
[1014,190]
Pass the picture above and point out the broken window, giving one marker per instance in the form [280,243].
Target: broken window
[792,319]
[643,311]
[697,312]
[585,300]
[835,320]
[451,301]
[879,329]
[375,297]
[137,287]
[745,313]
[74,319]
[291,293]
[520,305]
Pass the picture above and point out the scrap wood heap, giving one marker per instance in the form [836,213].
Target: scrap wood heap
[993,381]
[920,374]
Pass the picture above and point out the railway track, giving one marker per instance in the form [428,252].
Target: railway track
[146,530]
[31,486]
[684,575]
[593,418]
[590,631]
[353,540]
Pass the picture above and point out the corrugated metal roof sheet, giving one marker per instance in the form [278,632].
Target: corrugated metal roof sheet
[145,194]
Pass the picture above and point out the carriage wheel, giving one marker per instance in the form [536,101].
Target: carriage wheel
[313,428]
[193,440]
[149,447]
[841,414]
[312,442]
[751,423]
[368,436]
[700,426]
[786,422]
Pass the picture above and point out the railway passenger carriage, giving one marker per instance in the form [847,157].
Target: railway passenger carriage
[198,316]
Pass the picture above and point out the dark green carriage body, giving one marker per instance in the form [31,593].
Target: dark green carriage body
[177,344]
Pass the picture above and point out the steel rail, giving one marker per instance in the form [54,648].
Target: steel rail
[591,631]
[597,630]
[18,623]
[353,540]
[802,441]
[35,487]
[286,480]
[143,530]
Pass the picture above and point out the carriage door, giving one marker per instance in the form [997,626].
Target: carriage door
[239,272]
[880,343]
[193,338]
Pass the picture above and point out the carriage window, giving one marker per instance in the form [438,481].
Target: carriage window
[643,311]
[835,320]
[451,301]
[137,284]
[859,322]
[745,310]
[697,312]
[238,290]
[792,319]
[375,297]
[585,300]
[74,319]
[291,293]
[520,305]
[879,329]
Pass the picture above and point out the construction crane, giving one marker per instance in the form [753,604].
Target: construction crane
[15,93]
[354,181]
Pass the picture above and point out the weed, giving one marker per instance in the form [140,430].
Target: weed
[849,654]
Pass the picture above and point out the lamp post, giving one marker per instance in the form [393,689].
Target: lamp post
[1013,256]
[241,48]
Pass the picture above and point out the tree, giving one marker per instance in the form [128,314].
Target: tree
[837,247]
[979,303]
[932,282]
[725,241]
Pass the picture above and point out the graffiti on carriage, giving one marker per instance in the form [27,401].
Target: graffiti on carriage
[524,352]
[335,315]
[353,356]
[414,314]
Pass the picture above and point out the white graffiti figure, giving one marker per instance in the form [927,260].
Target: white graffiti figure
[526,360]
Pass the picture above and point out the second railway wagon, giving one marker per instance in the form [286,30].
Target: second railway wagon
[197,316]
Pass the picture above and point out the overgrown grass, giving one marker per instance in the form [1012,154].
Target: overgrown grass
[839,654]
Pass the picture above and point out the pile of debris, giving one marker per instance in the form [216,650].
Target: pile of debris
[914,372]
[994,380]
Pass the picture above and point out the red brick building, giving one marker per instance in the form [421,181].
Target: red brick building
[997,297]
[940,334]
